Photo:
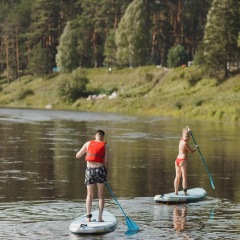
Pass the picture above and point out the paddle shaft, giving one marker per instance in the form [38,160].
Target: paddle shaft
[205,164]
[111,192]
[132,226]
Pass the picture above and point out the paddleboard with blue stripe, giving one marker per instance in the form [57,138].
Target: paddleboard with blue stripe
[81,226]
[193,195]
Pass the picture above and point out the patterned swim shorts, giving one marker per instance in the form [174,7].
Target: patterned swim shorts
[95,175]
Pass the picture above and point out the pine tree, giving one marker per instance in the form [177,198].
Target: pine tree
[132,39]
[220,38]
[194,21]
[44,28]
[14,17]
[110,49]
[114,10]
[39,63]
[67,56]
[95,22]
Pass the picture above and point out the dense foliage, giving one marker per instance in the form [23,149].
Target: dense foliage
[40,35]
[75,87]
[176,56]
[220,43]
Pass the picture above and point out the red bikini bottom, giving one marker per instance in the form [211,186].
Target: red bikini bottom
[179,160]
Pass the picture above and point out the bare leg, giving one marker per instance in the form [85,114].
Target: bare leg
[89,199]
[100,200]
[184,175]
[177,178]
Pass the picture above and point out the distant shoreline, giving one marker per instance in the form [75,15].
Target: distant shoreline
[177,93]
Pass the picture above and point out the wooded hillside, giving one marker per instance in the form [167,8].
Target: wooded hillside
[38,36]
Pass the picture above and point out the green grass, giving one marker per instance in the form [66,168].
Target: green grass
[179,93]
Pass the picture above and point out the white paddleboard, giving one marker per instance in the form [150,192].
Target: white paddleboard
[194,195]
[80,225]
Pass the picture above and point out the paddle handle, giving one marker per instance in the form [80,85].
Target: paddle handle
[204,162]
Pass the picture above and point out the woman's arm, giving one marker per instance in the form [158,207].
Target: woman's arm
[190,149]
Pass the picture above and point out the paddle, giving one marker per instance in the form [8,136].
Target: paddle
[209,174]
[132,226]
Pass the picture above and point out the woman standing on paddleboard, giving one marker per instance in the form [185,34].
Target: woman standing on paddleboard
[97,153]
[181,161]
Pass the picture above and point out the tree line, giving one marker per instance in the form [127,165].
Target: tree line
[38,36]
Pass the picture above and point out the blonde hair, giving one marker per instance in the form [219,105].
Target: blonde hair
[185,130]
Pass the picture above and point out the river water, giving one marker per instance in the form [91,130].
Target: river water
[42,183]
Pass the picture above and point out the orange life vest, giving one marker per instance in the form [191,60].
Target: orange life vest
[96,151]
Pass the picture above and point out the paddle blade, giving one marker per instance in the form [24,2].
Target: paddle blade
[132,226]
[211,180]
[130,232]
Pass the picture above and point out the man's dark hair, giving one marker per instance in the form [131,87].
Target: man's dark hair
[101,132]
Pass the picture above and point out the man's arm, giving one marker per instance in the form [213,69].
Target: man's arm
[82,150]
[106,156]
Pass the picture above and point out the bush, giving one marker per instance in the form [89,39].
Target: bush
[23,93]
[194,77]
[149,77]
[51,76]
[177,56]
[178,105]
[198,102]
[71,90]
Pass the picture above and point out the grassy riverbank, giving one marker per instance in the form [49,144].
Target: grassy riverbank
[179,93]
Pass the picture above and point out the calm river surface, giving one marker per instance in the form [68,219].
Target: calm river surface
[42,183]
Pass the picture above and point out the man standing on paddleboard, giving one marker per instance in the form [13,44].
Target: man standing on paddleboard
[181,161]
[97,153]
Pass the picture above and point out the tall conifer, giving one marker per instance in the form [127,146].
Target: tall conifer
[221,52]
[67,56]
[132,39]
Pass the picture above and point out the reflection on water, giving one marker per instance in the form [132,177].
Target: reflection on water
[42,184]
[50,220]
[203,220]
[179,218]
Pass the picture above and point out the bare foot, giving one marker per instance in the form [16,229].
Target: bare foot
[176,193]
[89,216]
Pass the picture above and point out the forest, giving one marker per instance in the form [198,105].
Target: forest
[39,37]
